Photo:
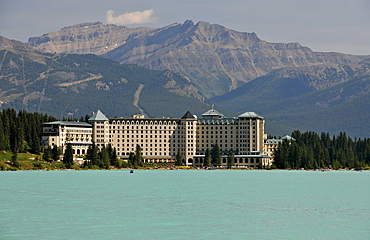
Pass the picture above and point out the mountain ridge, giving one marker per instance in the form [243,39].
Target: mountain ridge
[287,83]
[216,59]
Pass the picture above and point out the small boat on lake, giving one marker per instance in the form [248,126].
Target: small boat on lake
[131,171]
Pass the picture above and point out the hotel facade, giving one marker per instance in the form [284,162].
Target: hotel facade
[162,138]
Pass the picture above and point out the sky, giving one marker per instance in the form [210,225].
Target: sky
[322,25]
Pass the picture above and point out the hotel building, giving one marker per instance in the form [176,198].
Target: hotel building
[162,138]
[61,133]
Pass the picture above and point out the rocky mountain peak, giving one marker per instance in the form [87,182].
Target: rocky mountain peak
[83,25]
[188,23]
[216,59]
[84,38]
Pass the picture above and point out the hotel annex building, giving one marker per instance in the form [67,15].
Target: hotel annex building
[162,138]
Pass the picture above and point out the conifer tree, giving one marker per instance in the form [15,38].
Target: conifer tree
[2,134]
[114,158]
[131,160]
[178,161]
[68,156]
[216,155]
[14,160]
[336,165]
[207,158]
[230,159]
[55,153]
[138,159]
[7,131]
[104,158]
[47,154]
[92,155]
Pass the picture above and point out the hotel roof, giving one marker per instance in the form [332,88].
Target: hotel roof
[98,116]
[65,123]
[212,112]
[188,115]
[221,121]
[250,115]
[288,138]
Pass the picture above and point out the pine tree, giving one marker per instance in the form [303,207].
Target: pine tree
[281,155]
[113,158]
[216,155]
[207,158]
[104,158]
[47,154]
[7,130]
[178,161]
[2,134]
[68,156]
[131,160]
[295,155]
[309,163]
[138,159]
[336,165]
[14,160]
[93,155]
[55,153]
[230,159]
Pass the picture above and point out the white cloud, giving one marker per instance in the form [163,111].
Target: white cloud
[127,18]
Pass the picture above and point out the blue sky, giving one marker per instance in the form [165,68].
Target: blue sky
[322,25]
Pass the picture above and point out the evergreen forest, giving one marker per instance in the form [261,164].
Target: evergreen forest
[314,151]
[21,131]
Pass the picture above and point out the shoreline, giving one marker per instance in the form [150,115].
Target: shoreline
[187,169]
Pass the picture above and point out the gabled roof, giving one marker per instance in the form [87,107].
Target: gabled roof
[188,115]
[250,115]
[98,116]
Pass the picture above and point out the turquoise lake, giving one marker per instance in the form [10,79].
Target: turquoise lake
[185,204]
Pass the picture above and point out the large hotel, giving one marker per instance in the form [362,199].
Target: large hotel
[162,138]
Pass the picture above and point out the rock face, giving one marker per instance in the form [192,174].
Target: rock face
[214,58]
[85,38]
[8,44]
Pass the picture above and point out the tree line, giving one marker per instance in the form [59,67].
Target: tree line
[107,156]
[213,157]
[312,151]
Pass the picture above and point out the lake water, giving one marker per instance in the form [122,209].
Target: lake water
[185,205]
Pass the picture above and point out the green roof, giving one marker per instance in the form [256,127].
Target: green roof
[250,115]
[288,138]
[98,116]
[65,123]
[213,112]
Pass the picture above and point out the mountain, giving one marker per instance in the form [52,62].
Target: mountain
[75,85]
[329,97]
[85,38]
[6,43]
[287,83]
[214,58]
